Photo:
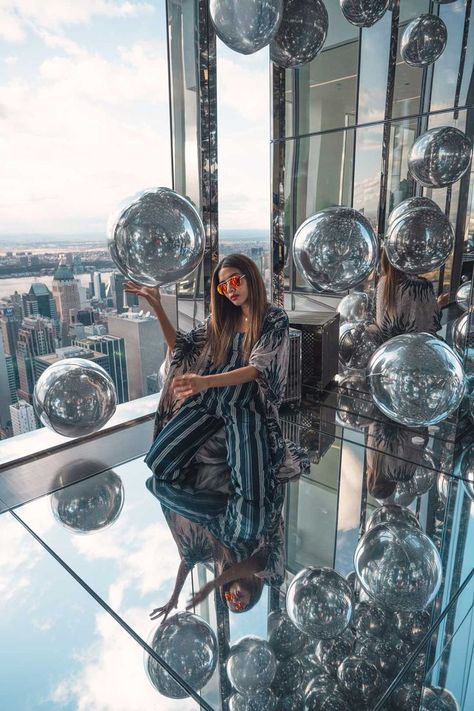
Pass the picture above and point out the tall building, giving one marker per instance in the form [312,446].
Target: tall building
[99,287]
[39,301]
[37,336]
[116,286]
[115,362]
[41,363]
[12,373]
[5,397]
[10,322]
[144,345]
[66,296]
[22,417]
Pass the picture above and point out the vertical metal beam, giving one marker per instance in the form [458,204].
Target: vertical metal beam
[278,79]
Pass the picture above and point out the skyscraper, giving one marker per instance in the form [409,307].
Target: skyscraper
[144,346]
[5,398]
[12,373]
[41,363]
[115,362]
[22,417]
[67,298]
[39,301]
[9,325]
[116,286]
[37,336]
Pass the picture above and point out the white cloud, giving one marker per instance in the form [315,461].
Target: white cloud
[18,557]
[10,60]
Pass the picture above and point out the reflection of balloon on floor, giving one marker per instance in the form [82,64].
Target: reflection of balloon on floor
[89,505]
[319,602]
[363,13]
[74,397]
[188,644]
[419,240]
[355,405]
[251,664]
[440,157]
[390,512]
[357,343]
[423,41]
[398,566]
[410,204]
[259,700]
[246,25]
[463,295]
[335,249]
[301,34]
[156,237]
[426,385]
[355,307]
[283,637]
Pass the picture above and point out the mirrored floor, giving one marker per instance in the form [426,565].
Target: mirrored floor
[127,547]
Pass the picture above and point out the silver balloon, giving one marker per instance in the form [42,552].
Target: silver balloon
[89,505]
[419,240]
[382,654]
[187,643]
[434,698]
[409,204]
[363,13]
[440,157]
[319,602]
[302,33]
[326,698]
[463,340]
[360,679]
[424,477]
[246,25]
[357,343]
[355,406]
[251,664]
[293,702]
[389,513]
[283,637]
[407,697]
[423,41]
[332,652]
[288,677]
[259,700]
[312,667]
[156,237]
[356,307]
[463,296]
[398,566]
[426,385]
[335,249]
[369,620]
[74,397]
[412,626]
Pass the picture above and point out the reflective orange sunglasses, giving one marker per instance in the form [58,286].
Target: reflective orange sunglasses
[230,597]
[233,281]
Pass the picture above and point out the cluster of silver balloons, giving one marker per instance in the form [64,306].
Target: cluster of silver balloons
[74,397]
[189,646]
[335,250]
[156,237]
[424,40]
[416,379]
[440,157]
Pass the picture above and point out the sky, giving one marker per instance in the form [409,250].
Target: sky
[84,116]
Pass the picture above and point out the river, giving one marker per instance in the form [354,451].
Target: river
[22,284]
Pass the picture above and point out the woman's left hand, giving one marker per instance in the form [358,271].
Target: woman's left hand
[200,595]
[189,384]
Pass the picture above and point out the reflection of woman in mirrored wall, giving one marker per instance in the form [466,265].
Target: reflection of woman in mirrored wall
[239,581]
[406,303]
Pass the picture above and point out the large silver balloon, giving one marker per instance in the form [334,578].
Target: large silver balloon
[369,620]
[335,249]
[463,340]
[440,157]
[423,41]
[357,343]
[463,295]
[356,307]
[363,13]
[89,505]
[74,397]
[251,664]
[246,25]
[319,602]
[410,204]
[302,33]
[355,406]
[391,512]
[188,644]
[360,679]
[284,638]
[412,626]
[259,700]
[398,566]
[156,237]
[434,698]
[419,240]
[416,379]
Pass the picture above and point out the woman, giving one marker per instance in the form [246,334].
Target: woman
[240,582]
[218,409]
[406,304]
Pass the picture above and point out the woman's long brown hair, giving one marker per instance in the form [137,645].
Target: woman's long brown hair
[391,283]
[225,316]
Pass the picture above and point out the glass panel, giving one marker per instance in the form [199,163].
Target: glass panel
[446,68]
[407,88]
[55,635]
[373,73]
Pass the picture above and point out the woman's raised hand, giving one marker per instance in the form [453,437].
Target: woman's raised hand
[150,293]
[165,610]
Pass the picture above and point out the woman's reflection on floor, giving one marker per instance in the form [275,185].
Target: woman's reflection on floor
[241,572]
